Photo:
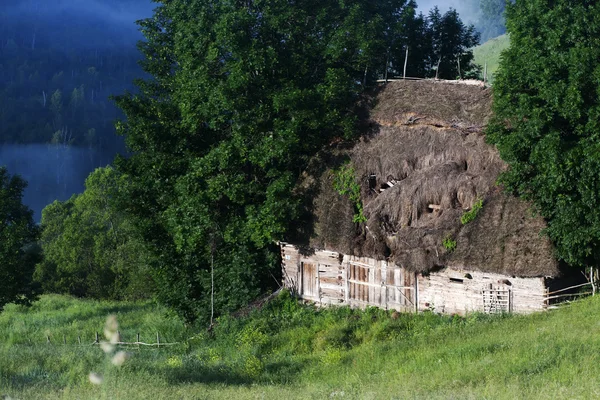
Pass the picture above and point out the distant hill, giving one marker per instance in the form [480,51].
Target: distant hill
[490,52]
[59,63]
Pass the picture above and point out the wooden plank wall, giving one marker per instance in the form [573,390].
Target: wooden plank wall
[318,277]
[453,291]
[329,277]
[376,283]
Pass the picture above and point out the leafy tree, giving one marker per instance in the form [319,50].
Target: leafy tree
[91,249]
[18,235]
[242,95]
[411,31]
[547,124]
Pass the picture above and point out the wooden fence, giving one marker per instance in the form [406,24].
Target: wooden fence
[97,341]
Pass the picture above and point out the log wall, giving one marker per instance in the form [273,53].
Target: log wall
[328,277]
[452,291]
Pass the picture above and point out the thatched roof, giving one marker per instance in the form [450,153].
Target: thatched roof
[427,138]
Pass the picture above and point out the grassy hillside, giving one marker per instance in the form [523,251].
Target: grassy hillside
[490,52]
[292,351]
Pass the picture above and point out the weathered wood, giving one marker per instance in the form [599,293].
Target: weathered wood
[405,63]
[568,295]
[331,278]
[568,288]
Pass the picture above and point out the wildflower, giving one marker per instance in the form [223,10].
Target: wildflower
[107,347]
[95,378]
[111,329]
[119,358]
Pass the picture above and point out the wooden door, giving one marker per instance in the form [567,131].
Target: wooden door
[310,287]
[400,289]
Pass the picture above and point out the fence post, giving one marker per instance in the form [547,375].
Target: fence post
[97,339]
[157,340]
[405,62]
[79,339]
[387,65]
[484,73]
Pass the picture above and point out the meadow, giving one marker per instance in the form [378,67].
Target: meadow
[489,52]
[293,351]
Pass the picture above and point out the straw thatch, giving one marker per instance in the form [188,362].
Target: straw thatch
[427,139]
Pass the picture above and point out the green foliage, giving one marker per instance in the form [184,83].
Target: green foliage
[242,95]
[431,40]
[91,248]
[344,182]
[18,248]
[451,43]
[546,123]
[449,243]
[470,215]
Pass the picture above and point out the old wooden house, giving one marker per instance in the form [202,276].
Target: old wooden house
[332,278]
[422,167]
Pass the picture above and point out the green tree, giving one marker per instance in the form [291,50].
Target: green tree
[437,43]
[411,31]
[91,249]
[547,119]
[451,45]
[242,95]
[18,236]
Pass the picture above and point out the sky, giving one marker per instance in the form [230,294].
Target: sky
[465,8]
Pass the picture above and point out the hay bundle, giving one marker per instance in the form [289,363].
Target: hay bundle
[425,163]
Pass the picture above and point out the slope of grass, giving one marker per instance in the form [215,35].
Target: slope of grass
[291,351]
[489,52]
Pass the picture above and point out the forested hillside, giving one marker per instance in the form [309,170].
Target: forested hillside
[59,64]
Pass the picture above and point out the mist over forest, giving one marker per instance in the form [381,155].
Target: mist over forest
[60,62]
[485,15]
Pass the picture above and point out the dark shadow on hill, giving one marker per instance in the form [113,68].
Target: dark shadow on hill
[318,177]
[237,373]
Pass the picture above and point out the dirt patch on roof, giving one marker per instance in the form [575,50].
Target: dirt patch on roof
[423,165]
[433,103]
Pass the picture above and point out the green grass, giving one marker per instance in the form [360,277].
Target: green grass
[490,52]
[297,352]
